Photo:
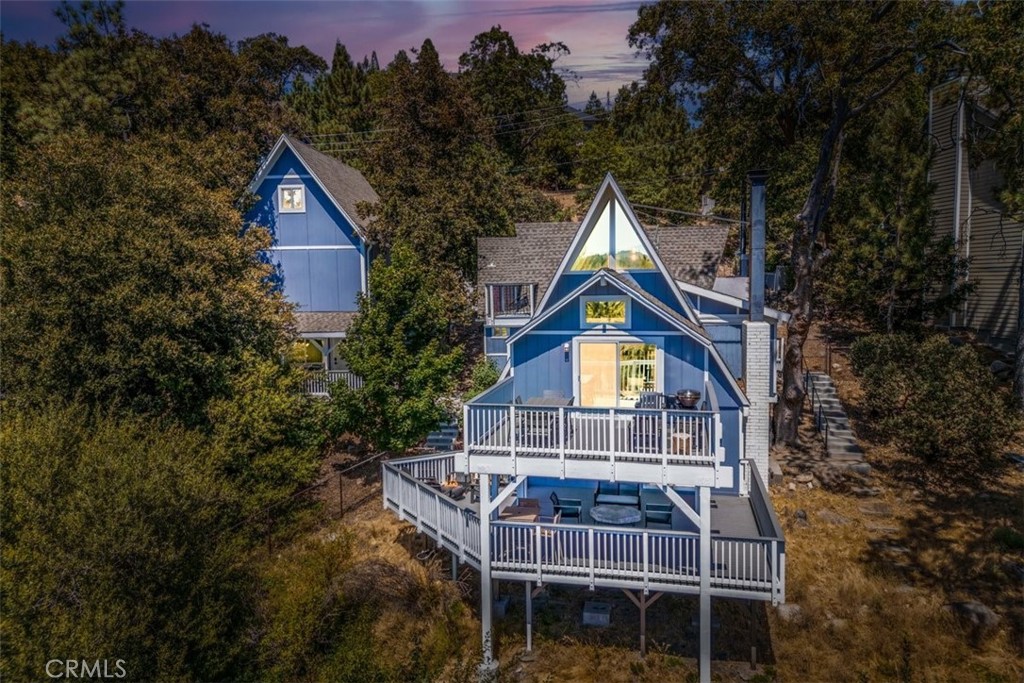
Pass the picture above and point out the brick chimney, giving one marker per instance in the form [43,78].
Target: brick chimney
[757,338]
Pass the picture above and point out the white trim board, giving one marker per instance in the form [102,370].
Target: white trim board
[728,300]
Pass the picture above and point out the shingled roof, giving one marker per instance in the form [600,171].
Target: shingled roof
[690,253]
[308,322]
[346,185]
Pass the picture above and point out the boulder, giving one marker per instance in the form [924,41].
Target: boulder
[861,468]
[999,367]
[789,611]
[978,619]
[830,517]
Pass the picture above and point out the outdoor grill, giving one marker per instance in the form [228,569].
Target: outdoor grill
[688,398]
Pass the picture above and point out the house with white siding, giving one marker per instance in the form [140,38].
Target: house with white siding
[967,208]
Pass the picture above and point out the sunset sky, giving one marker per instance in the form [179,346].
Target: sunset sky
[594,31]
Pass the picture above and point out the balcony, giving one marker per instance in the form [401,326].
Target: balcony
[676,447]
[747,556]
[319,382]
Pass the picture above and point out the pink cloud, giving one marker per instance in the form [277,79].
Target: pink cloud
[595,32]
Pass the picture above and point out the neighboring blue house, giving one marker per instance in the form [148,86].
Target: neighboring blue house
[310,203]
[618,448]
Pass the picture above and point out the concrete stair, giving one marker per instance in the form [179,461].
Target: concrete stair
[829,413]
[443,438]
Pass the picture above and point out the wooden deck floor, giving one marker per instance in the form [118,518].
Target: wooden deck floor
[730,515]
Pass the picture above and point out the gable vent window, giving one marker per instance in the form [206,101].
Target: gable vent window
[613,243]
[604,311]
[292,199]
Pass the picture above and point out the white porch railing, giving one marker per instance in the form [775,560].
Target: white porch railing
[436,466]
[319,383]
[595,556]
[672,436]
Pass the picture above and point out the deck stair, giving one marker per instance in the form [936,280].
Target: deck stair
[831,420]
[443,438]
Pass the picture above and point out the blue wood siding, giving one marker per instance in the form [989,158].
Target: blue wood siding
[320,279]
[729,342]
[732,423]
[712,307]
[316,279]
[654,283]
[540,363]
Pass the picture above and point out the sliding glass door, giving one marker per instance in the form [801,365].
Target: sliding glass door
[612,374]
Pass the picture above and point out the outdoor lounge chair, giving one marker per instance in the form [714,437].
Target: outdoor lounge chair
[658,514]
[568,508]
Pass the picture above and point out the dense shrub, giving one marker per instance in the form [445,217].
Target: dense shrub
[932,399]
[482,377]
[116,544]
[267,434]
[354,607]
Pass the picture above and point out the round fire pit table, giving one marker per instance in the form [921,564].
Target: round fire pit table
[615,515]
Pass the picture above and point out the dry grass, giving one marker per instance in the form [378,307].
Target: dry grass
[874,599]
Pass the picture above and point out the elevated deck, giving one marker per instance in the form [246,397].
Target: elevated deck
[748,549]
[674,447]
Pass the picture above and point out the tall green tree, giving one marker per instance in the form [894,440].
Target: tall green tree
[337,104]
[886,267]
[646,143]
[405,345]
[435,166]
[522,94]
[127,282]
[765,79]
[218,103]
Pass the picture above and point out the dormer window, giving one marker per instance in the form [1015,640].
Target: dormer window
[292,198]
[511,301]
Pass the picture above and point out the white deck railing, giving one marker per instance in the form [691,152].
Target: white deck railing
[575,554]
[319,383]
[672,436]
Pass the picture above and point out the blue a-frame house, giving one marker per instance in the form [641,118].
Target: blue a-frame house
[618,449]
[311,204]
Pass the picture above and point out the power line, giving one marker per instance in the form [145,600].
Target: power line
[688,213]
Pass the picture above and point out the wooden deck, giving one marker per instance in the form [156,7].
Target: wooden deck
[747,560]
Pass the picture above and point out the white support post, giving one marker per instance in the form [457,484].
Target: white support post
[590,554]
[704,494]
[512,436]
[611,442]
[529,616]
[562,435]
[664,439]
[488,664]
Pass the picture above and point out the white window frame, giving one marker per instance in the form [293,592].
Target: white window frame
[280,198]
[659,362]
[583,312]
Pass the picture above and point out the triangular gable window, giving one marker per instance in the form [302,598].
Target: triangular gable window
[613,243]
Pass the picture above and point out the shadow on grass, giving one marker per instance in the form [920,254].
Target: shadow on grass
[672,623]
